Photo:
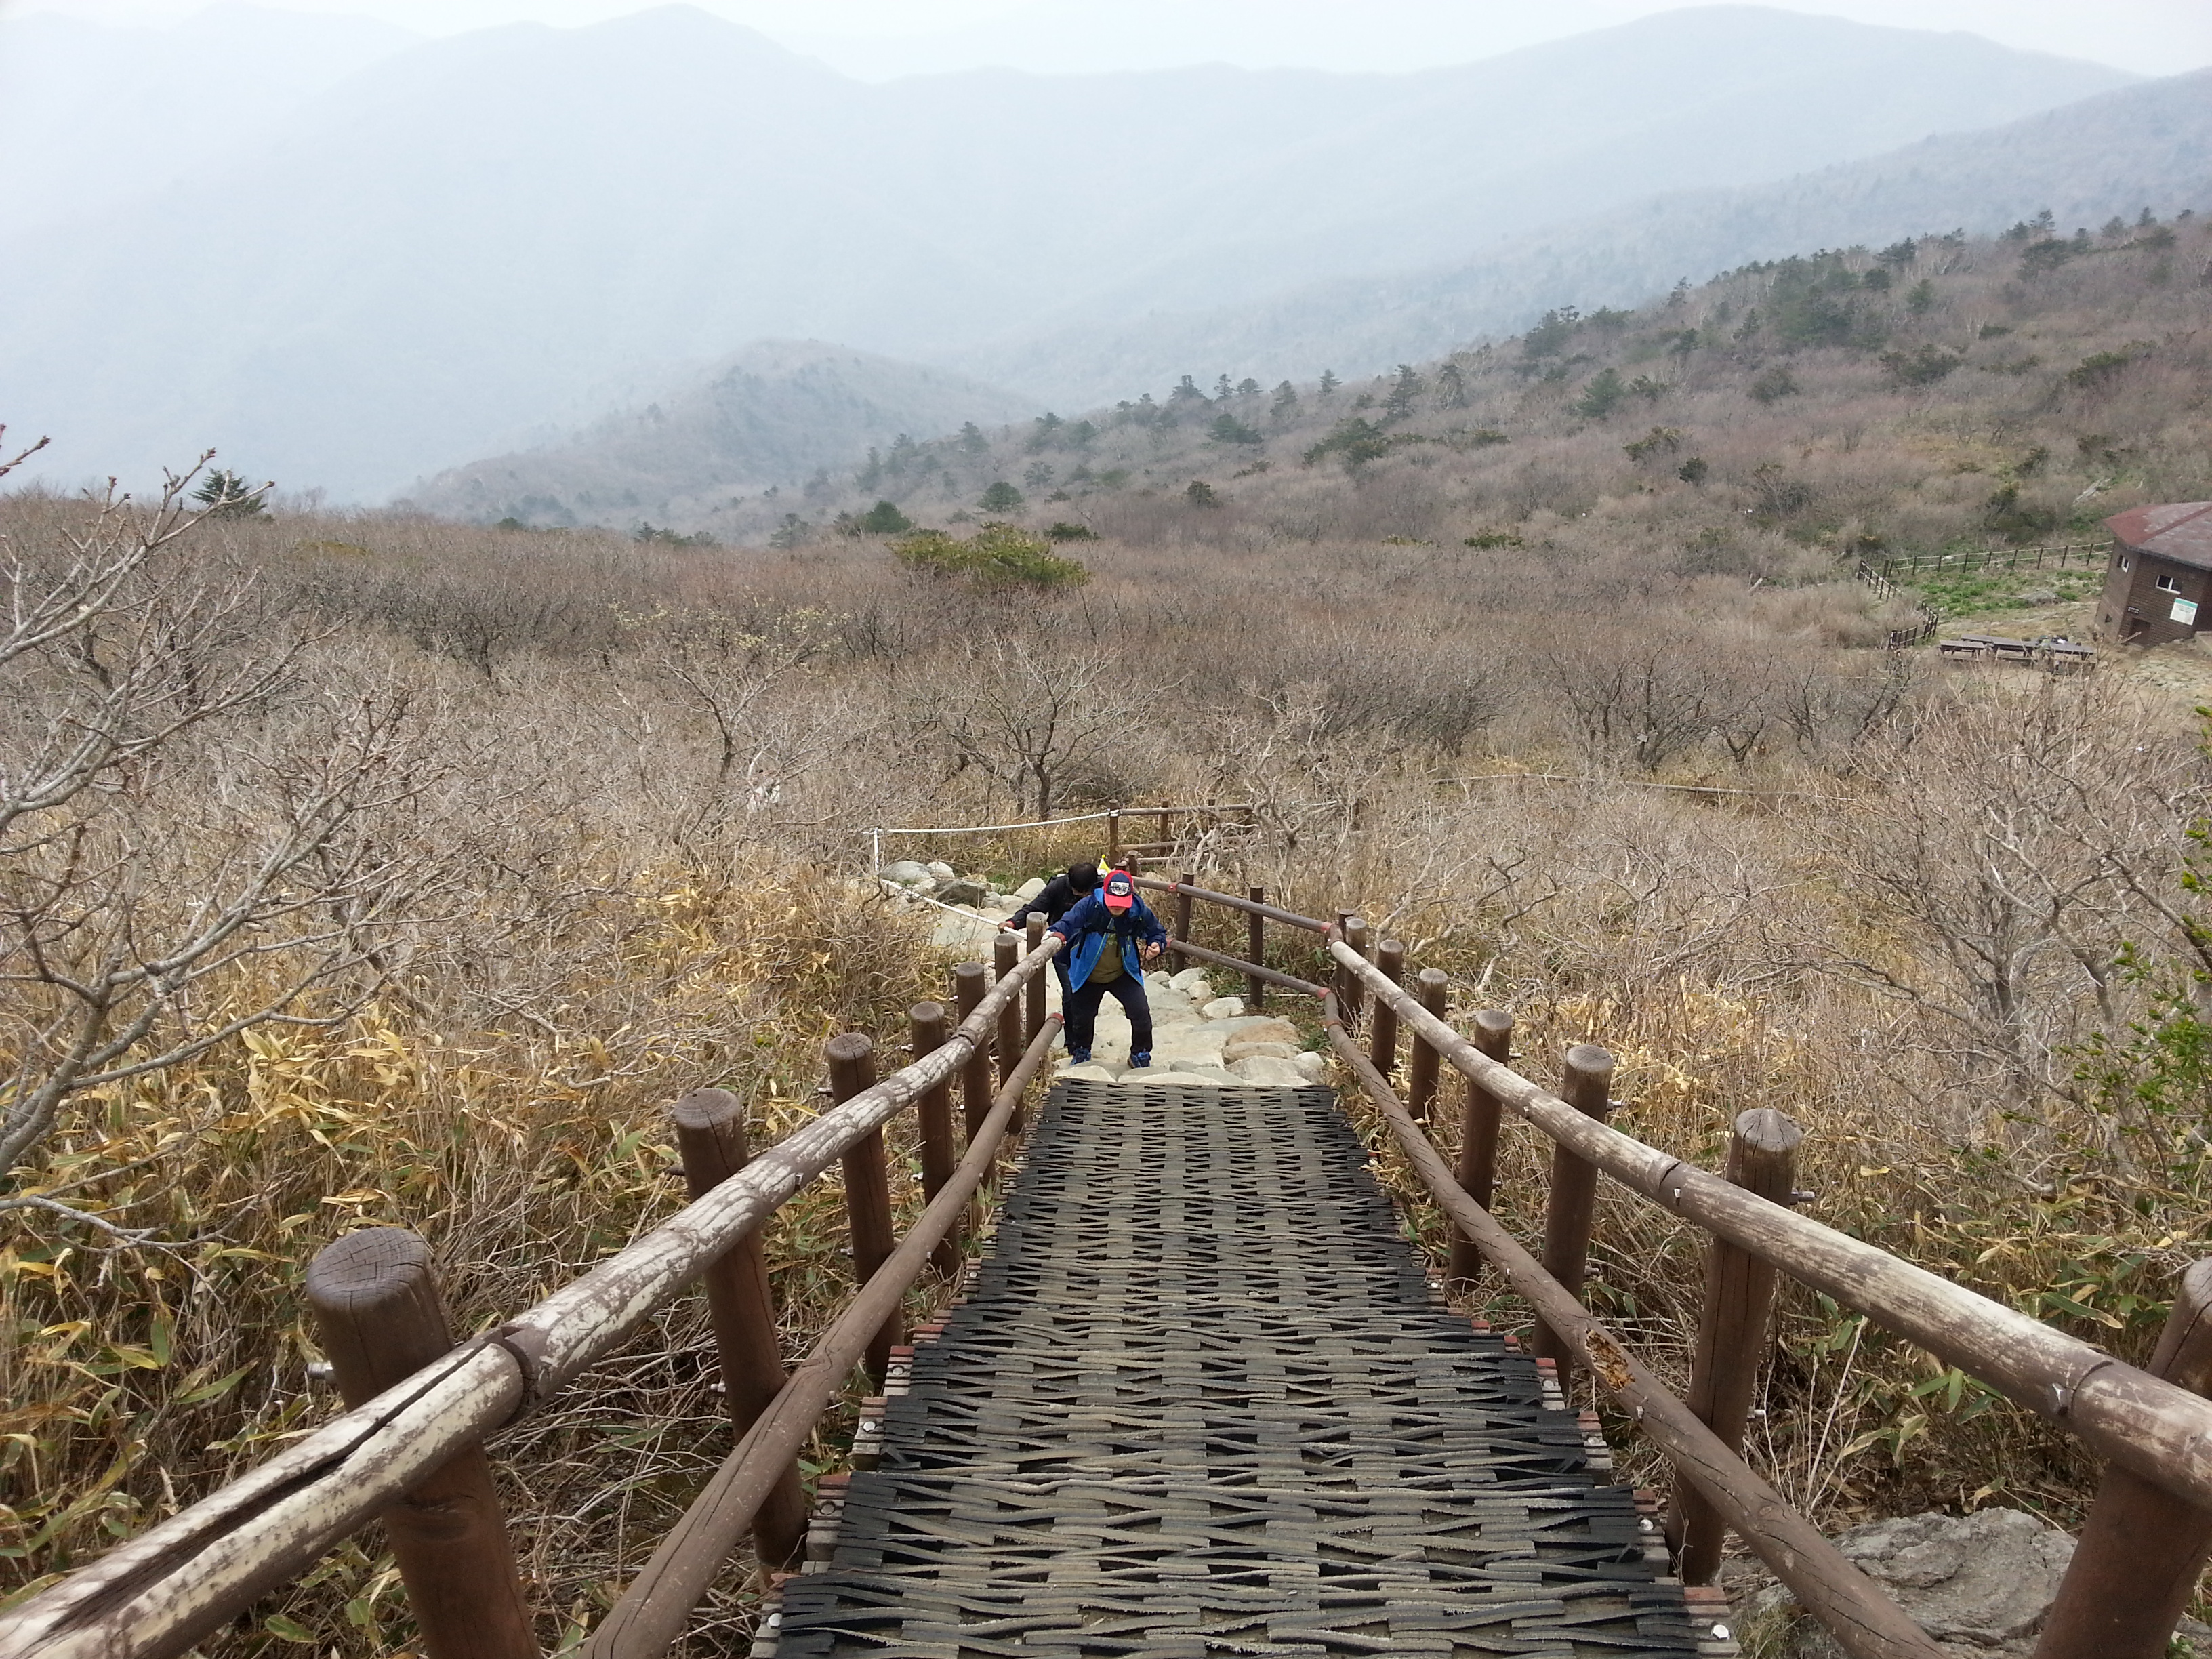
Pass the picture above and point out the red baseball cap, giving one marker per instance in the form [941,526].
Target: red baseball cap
[1120,891]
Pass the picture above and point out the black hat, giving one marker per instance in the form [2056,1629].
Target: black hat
[1083,877]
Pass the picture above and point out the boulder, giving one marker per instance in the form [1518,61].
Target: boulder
[1188,1072]
[960,890]
[1258,1036]
[940,872]
[1090,1072]
[1979,1584]
[962,931]
[1192,982]
[1184,1056]
[1224,1008]
[1312,1066]
[1030,889]
[1269,1071]
[906,873]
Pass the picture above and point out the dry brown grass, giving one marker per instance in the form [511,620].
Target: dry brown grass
[644,776]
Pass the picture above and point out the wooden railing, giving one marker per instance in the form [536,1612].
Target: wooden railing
[2056,557]
[410,1451]
[411,1448]
[1171,827]
[2149,1530]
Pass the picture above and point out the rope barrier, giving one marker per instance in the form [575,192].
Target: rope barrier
[876,835]
[1038,824]
[1630,783]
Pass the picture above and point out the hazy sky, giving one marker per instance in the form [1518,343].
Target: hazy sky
[2150,36]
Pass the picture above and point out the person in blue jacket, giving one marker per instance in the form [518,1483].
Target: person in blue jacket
[1110,934]
[1060,894]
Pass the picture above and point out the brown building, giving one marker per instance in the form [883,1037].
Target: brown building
[2160,572]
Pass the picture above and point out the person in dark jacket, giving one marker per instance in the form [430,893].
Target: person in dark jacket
[1059,897]
[1111,935]
[1060,894]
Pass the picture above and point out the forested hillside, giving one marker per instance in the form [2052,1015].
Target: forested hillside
[1942,390]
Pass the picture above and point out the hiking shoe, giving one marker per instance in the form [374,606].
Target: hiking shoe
[1140,1060]
[1079,1056]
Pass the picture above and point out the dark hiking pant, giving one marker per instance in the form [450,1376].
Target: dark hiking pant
[1081,1008]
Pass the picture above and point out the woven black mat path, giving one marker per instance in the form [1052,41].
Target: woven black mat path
[1201,1401]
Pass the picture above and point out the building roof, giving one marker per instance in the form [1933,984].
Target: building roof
[2180,531]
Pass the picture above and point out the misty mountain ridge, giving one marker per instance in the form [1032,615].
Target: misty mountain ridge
[448,249]
[2113,155]
[2143,146]
[771,415]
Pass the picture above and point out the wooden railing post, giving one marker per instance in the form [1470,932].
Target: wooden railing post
[1006,957]
[1588,1089]
[1181,920]
[381,1320]
[1732,1332]
[2142,1548]
[710,1134]
[1382,1032]
[1113,835]
[1032,941]
[1478,1137]
[968,994]
[929,1027]
[1351,991]
[1256,949]
[852,1059]
[1421,1064]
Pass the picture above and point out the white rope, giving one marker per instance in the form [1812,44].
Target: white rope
[889,886]
[1080,818]
[998,828]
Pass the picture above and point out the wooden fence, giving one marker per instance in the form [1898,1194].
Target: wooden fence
[410,1451]
[1992,558]
[1172,828]
[2149,1530]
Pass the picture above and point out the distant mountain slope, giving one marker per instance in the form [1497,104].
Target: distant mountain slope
[451,247]
[1069,37]
[93,116]
[774,414]
[2144,146]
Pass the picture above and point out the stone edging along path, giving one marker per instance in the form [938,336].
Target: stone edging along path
[1198,1038]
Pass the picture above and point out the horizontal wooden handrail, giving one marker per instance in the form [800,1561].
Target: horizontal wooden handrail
[1850,1605]
[162,1592]
[1289,918]
[1222,959]
[2162,1432]
[651,1612]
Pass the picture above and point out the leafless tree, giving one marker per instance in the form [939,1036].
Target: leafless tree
[1026,715]
[774,721]
[189,827]
[2017,846]
[1650,694]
